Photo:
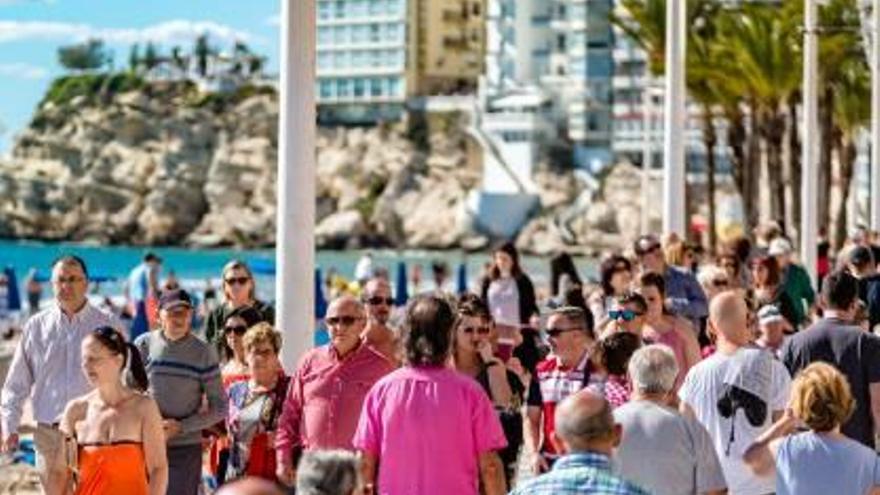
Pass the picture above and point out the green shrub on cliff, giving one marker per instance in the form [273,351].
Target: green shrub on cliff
[66,88]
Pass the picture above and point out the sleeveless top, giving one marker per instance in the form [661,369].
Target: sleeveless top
[672,339]
[118,467]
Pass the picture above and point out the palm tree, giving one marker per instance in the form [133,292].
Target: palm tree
[761,42]
[851,115]
[202,52]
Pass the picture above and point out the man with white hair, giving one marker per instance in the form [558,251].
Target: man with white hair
[772,326]
[682,457]
[795,280]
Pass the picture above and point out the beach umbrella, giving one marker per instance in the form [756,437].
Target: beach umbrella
[401,289]
[13,297]
[262,266]
[462,278]
[320,300]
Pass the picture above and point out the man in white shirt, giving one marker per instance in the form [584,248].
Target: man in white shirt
[736,393]
[47,365]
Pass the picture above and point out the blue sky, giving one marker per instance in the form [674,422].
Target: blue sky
[32,30]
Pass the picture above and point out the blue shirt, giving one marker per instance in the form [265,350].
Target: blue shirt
[684,296]
[808,464]
[585,473]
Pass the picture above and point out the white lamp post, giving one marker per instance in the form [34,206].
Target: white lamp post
[809,185]
[674,214]
[295,237]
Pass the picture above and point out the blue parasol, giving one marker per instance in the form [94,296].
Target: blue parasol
[320,300]
[401,293]
[462,278]
[13,296]
[262,266]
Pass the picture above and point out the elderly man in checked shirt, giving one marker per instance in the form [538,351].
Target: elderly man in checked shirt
[328,389]
[47,365]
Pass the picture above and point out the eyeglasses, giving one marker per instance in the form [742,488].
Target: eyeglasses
[621,268]
[376,301]
[478,330]
[623,314]
[68,280]
[237,329]
[721,282]
[647,251]
[556,332]
[342,320]
[237,280]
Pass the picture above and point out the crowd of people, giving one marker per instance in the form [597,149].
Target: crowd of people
[678,372]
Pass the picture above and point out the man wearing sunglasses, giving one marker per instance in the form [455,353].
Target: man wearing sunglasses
[327,390]
[567,370]
[378,303]
[627,314]
[684,295]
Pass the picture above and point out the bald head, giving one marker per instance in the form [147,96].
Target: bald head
[346,304]
[249,486]
[584,423]
[728,316]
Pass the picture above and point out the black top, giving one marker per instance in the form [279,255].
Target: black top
[869,293]
[511,420]
[854,352]
[217,317]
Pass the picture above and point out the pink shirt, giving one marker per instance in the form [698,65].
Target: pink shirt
[324,399]
[428,427]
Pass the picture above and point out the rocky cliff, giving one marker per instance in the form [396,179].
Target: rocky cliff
[163,164]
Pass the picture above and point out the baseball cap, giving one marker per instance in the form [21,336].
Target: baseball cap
[645,244]
[174,298]
[860,256]
[769,313]
[779,246]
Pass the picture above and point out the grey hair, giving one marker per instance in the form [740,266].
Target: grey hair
[577,428]
[708,274]
[573,314]
[653,369]
[327,472]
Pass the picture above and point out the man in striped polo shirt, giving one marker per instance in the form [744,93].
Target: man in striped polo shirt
[183,372]
[565,371]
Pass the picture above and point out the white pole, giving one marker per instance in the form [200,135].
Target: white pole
[875,117]
[295,243]
[809,186]
[647,155]
[674,213]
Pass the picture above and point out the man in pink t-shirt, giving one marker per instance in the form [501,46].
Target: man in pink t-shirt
[430,430]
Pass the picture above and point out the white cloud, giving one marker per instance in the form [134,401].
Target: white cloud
[167,33]
[274,20]
[23,71]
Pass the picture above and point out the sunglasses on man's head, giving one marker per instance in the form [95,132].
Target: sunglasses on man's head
[237,280]
[236,329]
[342,320]
[484,330]
[623,314]
[376,301]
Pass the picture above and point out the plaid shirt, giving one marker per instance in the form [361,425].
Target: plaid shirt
[617,390]
[576,474]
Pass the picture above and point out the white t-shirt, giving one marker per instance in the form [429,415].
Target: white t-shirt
[503,301]
[701,390]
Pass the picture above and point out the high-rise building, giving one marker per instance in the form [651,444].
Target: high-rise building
[449,43]
[363,59]
[564,47]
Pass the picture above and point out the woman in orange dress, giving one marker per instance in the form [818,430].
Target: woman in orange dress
[115,443]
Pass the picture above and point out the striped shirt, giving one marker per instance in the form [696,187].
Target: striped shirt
[580,473]
[183,372]
[47,365]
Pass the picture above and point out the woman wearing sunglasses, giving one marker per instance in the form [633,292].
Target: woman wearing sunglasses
[237,323]
[239,289]
[664,328]
[114,441]
[474,348]
[616,275]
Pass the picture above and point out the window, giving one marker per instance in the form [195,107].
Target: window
[341,60]
[374,33]
[325,60]
[340,10]
[326,89]
[376,58]
[375,7]
[375,87]
[343,90]
[358,34]
[358,8]
[393,86]
[476,10]
[359,85]
[340,35]
[560,42]
[392,32]
[392,7]
[392,58]
[325,10]
[358,59]
[325,36]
